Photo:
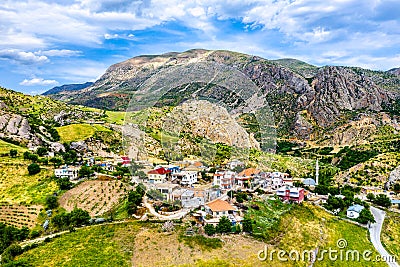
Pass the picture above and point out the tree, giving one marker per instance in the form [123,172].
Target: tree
[396,188]
[224,225]
[85,171]
[41,151]
[79,217]
[247,225]
[13,153]
[61,220]
[51,202]
[365,216]
[383,201]
[135,198]
[209,229]
[370,197]
[64,183]
[33,169]
[56,161]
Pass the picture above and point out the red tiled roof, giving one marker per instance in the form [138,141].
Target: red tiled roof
[159,171]
[249,172]
[219,205]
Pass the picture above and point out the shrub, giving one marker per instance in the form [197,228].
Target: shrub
[224,225]
[51,202]
[247,225]
[13,153]
[365,217]
[209,229]
[33,168]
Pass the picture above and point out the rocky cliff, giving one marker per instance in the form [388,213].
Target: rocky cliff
[307,102]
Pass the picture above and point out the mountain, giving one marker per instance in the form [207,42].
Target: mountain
[395,71]
[307,102]
[67,87]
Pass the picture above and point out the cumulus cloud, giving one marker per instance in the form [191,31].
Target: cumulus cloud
[38,81]
[21,57]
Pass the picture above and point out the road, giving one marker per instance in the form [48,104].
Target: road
[375,234]
[152,211]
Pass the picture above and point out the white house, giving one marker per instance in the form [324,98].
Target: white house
[158,175]
[354,211]
[224,179]
[185,177]
[66,171]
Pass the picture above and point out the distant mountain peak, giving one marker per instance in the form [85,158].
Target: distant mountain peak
[67,87]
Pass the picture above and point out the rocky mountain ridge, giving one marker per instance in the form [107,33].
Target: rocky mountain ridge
[307,102]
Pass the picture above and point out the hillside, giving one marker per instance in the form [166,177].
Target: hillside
[307,102]
[67,87]
[144,244]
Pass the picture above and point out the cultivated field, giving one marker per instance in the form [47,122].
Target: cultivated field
[97,197]
[18,187]
[18,215]
[79,132]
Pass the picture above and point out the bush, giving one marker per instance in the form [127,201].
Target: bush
[383,201]
[33,169]
[247,225]
[224,225]
[51,202]
[13,153]
[209,229]
[365,217]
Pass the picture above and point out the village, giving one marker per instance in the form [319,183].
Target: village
[178,189]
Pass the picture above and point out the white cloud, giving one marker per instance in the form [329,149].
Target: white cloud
[21,57]
[59,53]
[38,81]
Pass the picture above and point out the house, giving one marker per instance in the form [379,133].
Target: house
[246,176]
[354,211]
[218,208]
[185,177]
[172,168]
[292,194]
[126,161]
[224,179]
[309,182]
[167,190]
[67,171]
[159,175]
[234,163]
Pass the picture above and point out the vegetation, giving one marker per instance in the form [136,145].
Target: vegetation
[383,201]
[224,225]
[365,217]
[79,132]
[93,246]
[75,218]
[135,198]
[209,229]
[33,169]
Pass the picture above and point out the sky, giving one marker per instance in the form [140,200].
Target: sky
[49,43]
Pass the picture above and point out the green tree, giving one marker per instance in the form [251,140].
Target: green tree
[51,202]
[85,171]
[64,183]
[61,220]
[41,151]
[79,217]
[13,153]
[365,216]
[33,168]
[209,229]
[370,197]
[383,201]
[224,225]
[56,161]
[396,188]
[247,225]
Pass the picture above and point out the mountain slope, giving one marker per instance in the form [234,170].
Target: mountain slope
[307,102]
[67,87]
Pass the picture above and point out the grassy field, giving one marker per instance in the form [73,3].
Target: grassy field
[6,147]
[391,234]
[79,132]
[143,244]
[16,185]
[109,245]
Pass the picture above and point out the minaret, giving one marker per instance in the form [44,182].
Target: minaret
[316,172]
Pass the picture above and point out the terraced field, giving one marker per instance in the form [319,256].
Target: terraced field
[19,215]
[97,197]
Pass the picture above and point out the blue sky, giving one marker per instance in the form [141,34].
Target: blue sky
[48,43]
